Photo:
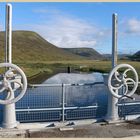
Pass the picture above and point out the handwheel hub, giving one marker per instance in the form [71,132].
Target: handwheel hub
[6,84]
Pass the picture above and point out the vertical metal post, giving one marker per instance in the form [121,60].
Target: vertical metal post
[9,115]
[114,39]
[8,34]
[63,102]
[112,114]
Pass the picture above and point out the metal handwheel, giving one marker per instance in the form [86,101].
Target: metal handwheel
[123,81]
[11,79]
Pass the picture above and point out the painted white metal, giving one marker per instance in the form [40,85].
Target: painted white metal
[112,112]
[63,102]
[126,104]
[55,85]
[122,81]
[6,83]
[8,34]
[114,39]
[9,115]
[59,108]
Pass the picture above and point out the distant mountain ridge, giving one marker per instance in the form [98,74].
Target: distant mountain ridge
[88,53]
[136,56]
[120,56]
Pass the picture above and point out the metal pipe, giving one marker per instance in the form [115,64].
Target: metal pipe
[53,85]
[112,113]
[9,114]
[114,39]
[8,34]
[63,102]
[127,103]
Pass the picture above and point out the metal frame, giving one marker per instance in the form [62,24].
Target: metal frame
[9,115]
[112,113]
[59,108]
[63,108]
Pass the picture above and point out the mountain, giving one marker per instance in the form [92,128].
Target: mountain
[136,56]
[120,56]
[30,46]
[87,53]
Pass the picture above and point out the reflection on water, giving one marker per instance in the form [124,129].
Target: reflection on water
[74,78]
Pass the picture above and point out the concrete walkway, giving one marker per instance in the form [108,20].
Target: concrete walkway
[84,129]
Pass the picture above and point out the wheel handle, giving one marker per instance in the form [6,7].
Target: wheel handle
[9,78]
[119,80]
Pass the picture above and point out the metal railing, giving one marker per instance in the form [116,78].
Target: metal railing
[129,108]
[59,102]
[62,102]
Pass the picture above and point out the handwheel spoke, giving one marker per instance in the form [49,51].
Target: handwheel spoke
[15,81]
[1,90]
[10,93]
[7,74]
[124,73]
[126,89]
[116,76]
[9,71]
[131,81]
[117,88]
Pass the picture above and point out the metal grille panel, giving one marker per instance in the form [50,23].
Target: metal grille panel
[55,102]
[129,108]
[80,95]
[80,114]
[41,97]
[38,116]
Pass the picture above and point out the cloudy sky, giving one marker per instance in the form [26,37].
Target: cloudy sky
[71,25]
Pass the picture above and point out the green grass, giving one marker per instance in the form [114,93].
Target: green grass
[31,47]
[49,68]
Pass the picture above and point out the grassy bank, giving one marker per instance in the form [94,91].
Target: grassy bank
[39,71]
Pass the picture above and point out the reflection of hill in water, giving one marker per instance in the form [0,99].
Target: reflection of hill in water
[86,95]
[73,78]
[80,95]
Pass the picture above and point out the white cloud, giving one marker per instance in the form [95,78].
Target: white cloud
[132,26]
[69,32]
[47,10]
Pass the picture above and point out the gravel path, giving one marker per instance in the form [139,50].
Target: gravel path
[92,130]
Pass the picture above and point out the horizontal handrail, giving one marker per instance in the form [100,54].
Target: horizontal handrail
[73,84]
[52,109]
[53,85]
[130,103]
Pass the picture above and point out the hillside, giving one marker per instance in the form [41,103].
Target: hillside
[136,56]
[120,56]
[88,53]
[30,46]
